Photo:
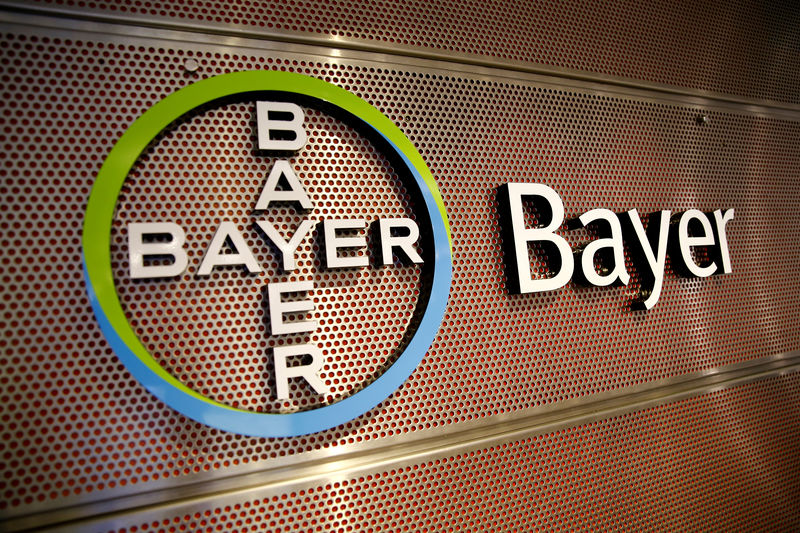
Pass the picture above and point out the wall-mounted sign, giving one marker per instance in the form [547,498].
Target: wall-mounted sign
[601,262]
[279,119]
[531,213]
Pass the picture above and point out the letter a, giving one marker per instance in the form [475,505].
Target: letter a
[296,192]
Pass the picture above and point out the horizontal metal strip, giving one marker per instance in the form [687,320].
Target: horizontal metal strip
[51,27]
[393,49]
[319,468]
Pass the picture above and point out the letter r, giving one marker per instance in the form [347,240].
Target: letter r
[309,372]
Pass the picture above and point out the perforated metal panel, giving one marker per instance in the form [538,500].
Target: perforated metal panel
[701,465]
[77,427]
[748,49]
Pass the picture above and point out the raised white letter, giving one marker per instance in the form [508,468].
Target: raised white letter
[403,243]
[266,126]
[138,249]
[517,237]
[333,243]
[658,228]
[308,372]
[720,220]
[287,249]
[609,239]
[684,260]
[269,193]
[277,307]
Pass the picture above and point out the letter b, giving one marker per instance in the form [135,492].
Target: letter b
[516,237]
[138,250]
[276,132]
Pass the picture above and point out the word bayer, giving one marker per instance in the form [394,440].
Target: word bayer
[279,129]
[677,235]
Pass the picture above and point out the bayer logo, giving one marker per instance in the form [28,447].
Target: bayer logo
[278,252]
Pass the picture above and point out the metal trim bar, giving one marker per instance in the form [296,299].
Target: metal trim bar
[94,15]
[45,26]
[350,462]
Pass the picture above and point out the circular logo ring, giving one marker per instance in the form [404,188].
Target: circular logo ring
[108,309]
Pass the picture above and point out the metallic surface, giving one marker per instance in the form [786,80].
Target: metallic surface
[596,415]
[742,51]
[351,462]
